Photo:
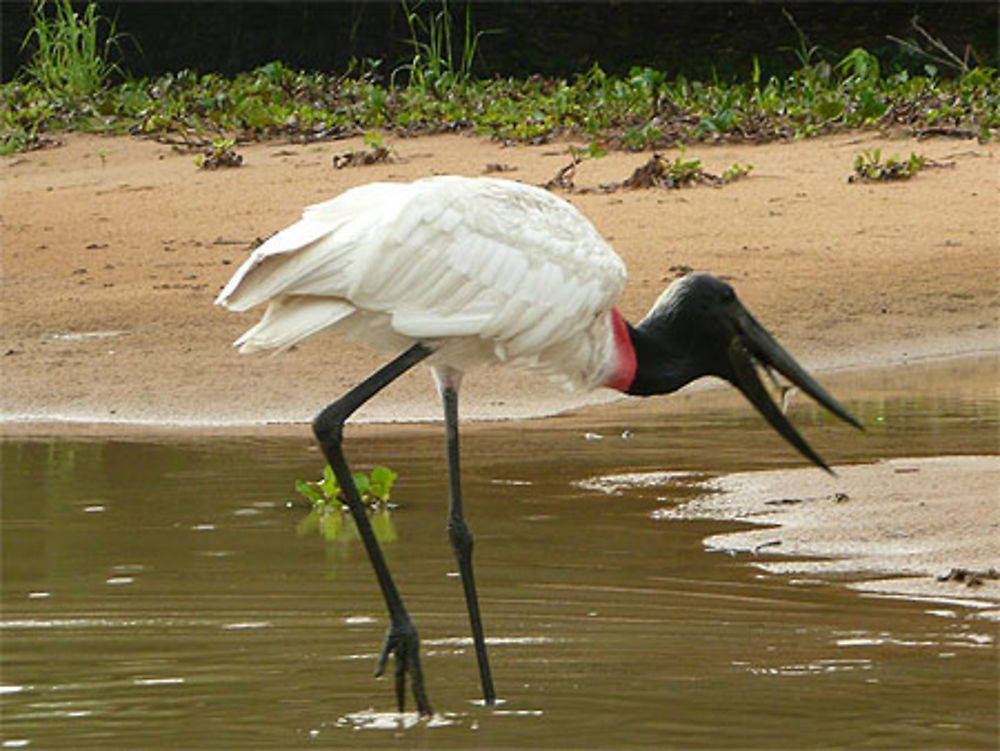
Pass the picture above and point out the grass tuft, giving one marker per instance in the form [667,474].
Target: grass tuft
[70,61]
[434,67]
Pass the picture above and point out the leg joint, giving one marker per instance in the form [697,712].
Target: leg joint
[460,536]
[328,425]
[404,631]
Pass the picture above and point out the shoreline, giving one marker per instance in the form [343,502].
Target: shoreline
[885,536]
[107,303]
[22,425]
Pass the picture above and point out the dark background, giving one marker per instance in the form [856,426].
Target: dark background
[551,38]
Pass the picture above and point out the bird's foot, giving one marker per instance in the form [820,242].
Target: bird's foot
[403,643]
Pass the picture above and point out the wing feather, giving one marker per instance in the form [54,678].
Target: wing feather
[510,264]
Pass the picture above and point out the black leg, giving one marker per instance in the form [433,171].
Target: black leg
[461,537]
[402,639]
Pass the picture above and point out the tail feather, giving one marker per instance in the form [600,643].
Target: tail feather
[256,279]
[288,320]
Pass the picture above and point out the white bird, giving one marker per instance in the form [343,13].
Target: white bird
[441,259]
[462,272]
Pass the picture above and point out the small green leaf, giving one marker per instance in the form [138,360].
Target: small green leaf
[829,108]
[329,484]
[596,150]
[309,491]
[382,480]
[361,483]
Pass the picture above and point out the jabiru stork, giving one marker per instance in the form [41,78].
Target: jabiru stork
[459,272]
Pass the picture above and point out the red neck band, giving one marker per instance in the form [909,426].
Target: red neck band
[625,360]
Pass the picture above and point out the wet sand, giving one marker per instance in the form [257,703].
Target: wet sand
[113,250]
[921,528]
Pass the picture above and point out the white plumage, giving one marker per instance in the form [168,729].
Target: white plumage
[491,270]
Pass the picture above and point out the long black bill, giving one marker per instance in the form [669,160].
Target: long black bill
[752,342]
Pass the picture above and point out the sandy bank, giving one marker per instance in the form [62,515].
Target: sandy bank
[113,249]
[921,528]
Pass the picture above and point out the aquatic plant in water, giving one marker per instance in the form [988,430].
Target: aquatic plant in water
[329,515]
[374,488]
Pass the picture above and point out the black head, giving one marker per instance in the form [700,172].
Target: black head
[699,327]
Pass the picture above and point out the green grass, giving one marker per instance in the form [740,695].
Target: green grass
[434,68]
[70,61]
[68,66]
[64,86]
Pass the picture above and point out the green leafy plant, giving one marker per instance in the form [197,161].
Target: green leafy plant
[220,154]
[656,172]
[373,140]
[638,139]
[374,488]
[660,172]
[735,171]
[593,150]
[437,91]
[329,514]
[376,153]
[681,170]
[869,166]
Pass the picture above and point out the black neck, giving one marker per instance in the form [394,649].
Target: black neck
[663,364]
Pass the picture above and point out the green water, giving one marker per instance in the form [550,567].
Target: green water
[158,592]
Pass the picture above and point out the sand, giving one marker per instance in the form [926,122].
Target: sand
[114,248]
[914,527]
